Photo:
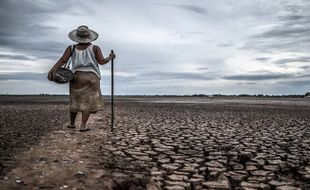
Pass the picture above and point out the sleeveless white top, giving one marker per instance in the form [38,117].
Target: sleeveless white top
[85,60]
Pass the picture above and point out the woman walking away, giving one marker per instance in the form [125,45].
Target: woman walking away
[85,93]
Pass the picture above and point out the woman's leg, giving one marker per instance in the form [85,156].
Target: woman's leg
[85,116]
[73,117]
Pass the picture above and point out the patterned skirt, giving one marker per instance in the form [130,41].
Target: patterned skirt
[85,93]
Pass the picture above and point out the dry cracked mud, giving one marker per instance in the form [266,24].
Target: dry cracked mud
[158,146]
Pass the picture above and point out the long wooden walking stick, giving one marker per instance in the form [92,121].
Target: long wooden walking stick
[112,93]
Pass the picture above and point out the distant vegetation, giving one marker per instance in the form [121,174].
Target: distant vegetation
[262,95]
[192,95]
[223,95]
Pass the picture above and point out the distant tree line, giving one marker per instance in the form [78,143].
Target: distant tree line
[223,95]
[202,95]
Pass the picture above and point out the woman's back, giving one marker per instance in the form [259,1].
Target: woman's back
[84,59]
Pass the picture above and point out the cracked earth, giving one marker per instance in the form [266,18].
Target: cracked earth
[168,146]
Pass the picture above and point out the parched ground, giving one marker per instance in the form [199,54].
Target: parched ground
[215,145]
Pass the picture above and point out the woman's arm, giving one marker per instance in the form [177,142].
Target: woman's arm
[99,57]
[63,60]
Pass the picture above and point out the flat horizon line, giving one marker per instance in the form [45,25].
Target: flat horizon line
[182,95]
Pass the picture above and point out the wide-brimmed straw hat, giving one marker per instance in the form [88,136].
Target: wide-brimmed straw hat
[83,35]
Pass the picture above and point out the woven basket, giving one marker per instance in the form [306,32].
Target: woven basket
[63,75]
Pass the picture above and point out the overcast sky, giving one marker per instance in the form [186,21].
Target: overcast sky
[163,46]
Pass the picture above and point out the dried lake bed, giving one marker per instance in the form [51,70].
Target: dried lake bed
[157,143]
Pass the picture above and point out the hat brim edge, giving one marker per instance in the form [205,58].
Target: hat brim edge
[72,35]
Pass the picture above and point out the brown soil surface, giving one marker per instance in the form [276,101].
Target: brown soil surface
[157,146]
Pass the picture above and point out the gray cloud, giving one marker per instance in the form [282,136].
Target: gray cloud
[293,60]
[304,67]
[191,8]
[290,32]
[246,83]
[297,83]
[266,76]
[24,28]
[262,59]
[203,68]
[258,77]
[23,76]
[15,57]
[176,75]
[295,19]
[292,18]
[286,33]
[226,44]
